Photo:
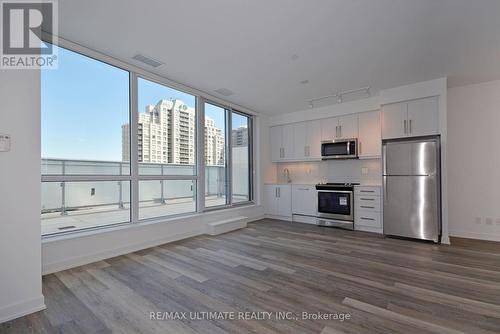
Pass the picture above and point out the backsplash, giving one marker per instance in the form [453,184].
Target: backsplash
[365,171]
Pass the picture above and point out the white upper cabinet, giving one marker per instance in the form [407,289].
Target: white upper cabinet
[276,139]
[287,142]
[410,119]
[282,142]
[329,128]
[394,120]
[300,140]
[314,139]
[348,126]
[340,127]
[423,117]
[307,140]
[369,140]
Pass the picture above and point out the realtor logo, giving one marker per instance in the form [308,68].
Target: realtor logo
[29,29]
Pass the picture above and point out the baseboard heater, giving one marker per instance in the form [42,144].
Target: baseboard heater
[227,225]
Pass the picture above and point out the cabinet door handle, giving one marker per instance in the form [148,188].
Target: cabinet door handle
[405,125]
[410,127]
[276,192]
[336,131]
[367,199]
[366,191]
[279,192]
[359,148]
[340,128]
[367,207]
[364,218]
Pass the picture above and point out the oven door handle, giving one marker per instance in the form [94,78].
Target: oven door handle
[335,191]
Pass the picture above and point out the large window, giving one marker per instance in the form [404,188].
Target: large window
[228,159]
[241,157]
[166,150]
[85,173]
[106,160]
[216,169]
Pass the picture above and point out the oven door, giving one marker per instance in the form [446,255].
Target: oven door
[339,149]
[335,204]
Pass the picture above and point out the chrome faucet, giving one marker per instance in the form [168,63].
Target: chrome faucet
[286,173]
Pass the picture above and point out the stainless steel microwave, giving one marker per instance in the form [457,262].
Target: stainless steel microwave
[339,149]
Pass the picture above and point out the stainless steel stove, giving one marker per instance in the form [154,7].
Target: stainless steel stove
[335,204]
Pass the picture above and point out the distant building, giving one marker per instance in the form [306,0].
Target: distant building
[166,134]
[214,144]
[240,136]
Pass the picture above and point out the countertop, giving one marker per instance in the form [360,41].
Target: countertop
[313,184]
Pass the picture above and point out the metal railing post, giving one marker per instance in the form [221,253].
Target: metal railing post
[162,198]
[120,200]
[120,190]
[63,191]
[63,199]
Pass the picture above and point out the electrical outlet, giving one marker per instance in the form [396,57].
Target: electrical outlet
[498,221]
[478,220]
[364,170]
[489,221]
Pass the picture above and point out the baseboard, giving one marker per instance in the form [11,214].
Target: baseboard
[53,267]
[23,308]
[304,219]
[368,229]
[476,244]
[284,218]
[474,235]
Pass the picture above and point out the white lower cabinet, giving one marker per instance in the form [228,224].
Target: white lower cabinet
[278,200]
[304,200]
[368,209]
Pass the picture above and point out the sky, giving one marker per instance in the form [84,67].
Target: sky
[85,103]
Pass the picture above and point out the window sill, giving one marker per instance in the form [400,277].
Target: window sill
[123,226]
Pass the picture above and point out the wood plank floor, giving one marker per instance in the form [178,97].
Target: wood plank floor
[384,285]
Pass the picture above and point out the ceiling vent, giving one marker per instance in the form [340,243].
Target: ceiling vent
[147,60]
[224,92]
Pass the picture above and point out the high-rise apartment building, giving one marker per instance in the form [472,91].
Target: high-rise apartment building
[166,134]
[214,143]
[239,136]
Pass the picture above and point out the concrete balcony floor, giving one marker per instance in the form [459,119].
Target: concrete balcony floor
[90,217]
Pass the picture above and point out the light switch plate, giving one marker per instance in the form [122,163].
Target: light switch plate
[364,170]
[4,143]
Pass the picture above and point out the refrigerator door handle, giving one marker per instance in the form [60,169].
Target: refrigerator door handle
[385,188]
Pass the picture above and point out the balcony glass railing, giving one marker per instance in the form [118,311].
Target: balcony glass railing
[78,205]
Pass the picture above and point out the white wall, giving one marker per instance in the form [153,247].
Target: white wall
[351,107]
[332,171]
[474,160]
[20,259]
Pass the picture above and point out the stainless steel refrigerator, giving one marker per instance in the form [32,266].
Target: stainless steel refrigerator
[412,182]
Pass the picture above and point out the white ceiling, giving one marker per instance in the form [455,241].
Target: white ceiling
[249,46]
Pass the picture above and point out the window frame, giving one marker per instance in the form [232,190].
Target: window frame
[133,177]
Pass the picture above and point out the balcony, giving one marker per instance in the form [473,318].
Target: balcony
[76,205]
